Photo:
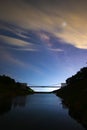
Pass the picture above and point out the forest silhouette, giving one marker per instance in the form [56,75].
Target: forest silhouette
[10,86]
[74,96]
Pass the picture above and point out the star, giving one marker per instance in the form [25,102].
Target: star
[64,24]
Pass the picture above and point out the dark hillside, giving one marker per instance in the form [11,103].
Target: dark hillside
[74,96]
[9,85]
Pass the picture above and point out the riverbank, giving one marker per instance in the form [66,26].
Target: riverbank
[74,96]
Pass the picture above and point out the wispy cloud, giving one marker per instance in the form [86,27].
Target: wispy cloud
[13,61]
[47,41]
[17,44]
[9,59]
[13,41]
[55,49]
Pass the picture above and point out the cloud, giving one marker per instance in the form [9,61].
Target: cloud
[55,49]
[13,41]
[10,29]
[43,36]
[25,65]
[17,44]
[15,61]
[50,16]
[10,59]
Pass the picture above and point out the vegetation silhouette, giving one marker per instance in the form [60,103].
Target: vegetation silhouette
[10,86]
[12,93]
[74,96]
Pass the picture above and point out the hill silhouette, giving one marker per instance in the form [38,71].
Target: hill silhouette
[9,85]
[74,96]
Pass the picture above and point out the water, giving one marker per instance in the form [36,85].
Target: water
[35,112]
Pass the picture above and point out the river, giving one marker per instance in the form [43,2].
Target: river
[35,112]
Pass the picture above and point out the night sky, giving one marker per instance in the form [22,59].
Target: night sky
[42,42]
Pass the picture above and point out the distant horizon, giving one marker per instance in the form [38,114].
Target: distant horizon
[44,89]
[45,86]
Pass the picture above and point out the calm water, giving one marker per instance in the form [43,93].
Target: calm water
[37,111]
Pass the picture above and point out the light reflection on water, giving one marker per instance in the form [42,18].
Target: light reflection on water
[37,111]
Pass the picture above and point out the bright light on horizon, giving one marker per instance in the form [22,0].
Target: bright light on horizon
[44,89]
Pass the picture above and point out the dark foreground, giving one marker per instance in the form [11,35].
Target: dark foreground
[74,96]
[9,86]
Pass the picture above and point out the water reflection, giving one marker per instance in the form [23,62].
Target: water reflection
[5,104]
[19,101]
[37,111]
[76,114]
[79,116]
[8,102]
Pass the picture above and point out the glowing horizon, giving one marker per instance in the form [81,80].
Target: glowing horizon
[44,89]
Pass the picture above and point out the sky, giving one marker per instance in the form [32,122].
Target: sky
[42,42]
